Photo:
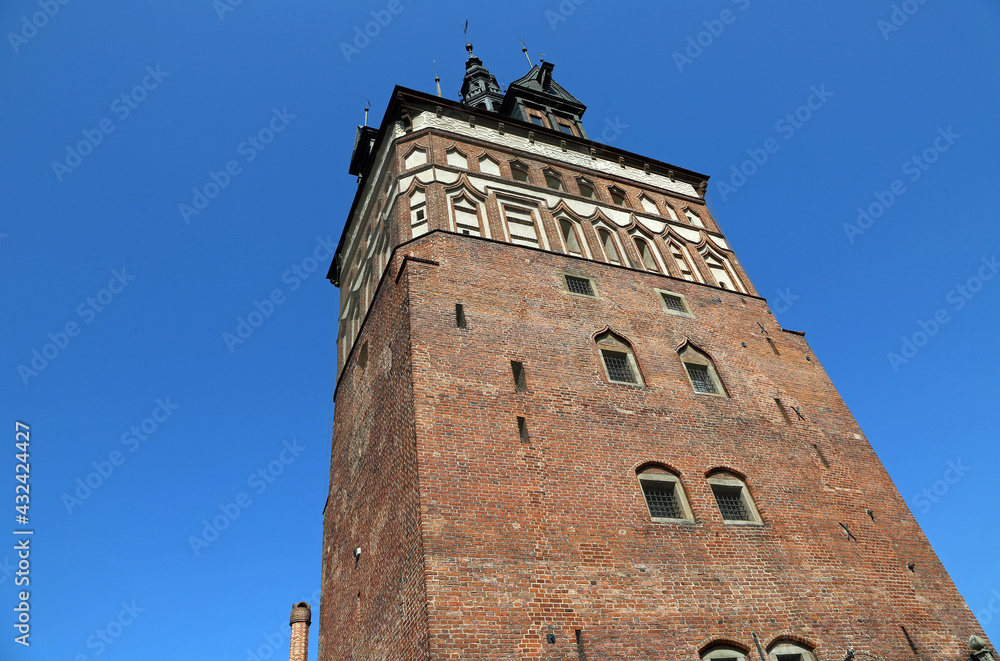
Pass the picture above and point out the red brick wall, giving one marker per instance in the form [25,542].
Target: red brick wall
[476,545]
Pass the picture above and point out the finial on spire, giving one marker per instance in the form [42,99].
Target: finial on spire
[437,78]
[468,44]
[524,49]
[368,104]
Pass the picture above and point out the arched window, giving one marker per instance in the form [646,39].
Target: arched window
[571,236]
[618,196]
[670,211]
[784,650]
[457,159]
[465,212]
[519,171]
[414,158]
[693,218]
[682,260]
[646,254]
[618,359]
[701,371]
[721,271]
[586,188]
[418,213]
[553,180]
[488,166]
[735,503]
[664,494]
[610,245]
[724,652]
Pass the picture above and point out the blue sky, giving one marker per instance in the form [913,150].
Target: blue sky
[97,252]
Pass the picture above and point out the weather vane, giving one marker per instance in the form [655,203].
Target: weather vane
[524,49]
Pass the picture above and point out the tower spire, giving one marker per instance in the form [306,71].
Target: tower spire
[480,88]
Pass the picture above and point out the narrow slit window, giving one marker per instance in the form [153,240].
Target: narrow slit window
[522,429]
[782,410]
[363,356]
[774,348]
[460,315]
[520,382]
[580,651]
[909,640]
[822,457]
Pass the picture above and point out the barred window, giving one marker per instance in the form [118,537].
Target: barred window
[733,498]
[674,303]
[789,651]
[618,366]
[701,371]
[661,499]
[619,362]
[723,653]
[730,501]
[578,285]
[701,379]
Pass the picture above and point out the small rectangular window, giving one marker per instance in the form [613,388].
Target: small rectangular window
[520,382]
[673,302]
[701,378]
[730,501]
[522,429]
[566,128]
[618,366]
[537,121]
[459,315]
[578,285]
[661,498]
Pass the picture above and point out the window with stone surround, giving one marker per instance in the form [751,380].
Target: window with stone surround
[736,505]
[664,494]
[488,166]
[618,196]
[724,653]
[609,244]
[553,179]
[457,159]
[789,651]
[682,260]
[701,371]
[418,213]
[618,360]
[466,214]
[519,171]
[586,188]
[693,218]
[571,235]
[647,254]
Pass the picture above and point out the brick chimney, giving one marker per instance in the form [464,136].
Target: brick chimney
[300,620]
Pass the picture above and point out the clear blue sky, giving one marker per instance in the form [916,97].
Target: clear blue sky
[108,218]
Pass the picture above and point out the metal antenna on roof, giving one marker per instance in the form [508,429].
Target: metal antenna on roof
[368,104]
[524,49]
[437,78]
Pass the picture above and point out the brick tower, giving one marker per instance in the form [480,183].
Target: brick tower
[567,427]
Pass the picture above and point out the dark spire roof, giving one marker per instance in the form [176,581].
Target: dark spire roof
[539,86]
[479,87]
